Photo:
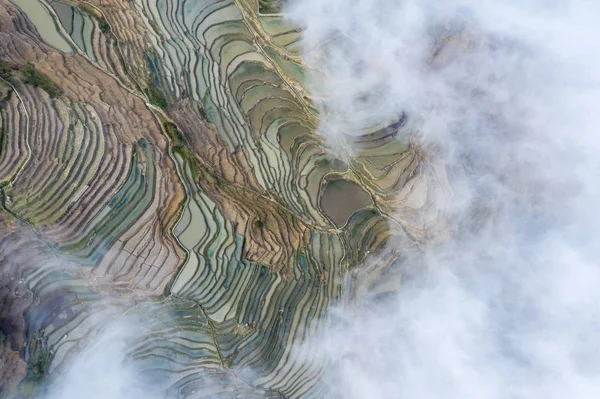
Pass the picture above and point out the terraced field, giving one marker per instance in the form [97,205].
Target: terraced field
[162,160]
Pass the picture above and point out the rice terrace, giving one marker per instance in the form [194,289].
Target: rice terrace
[195,193]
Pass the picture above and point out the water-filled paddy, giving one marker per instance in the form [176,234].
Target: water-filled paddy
[44,23]
[341,198]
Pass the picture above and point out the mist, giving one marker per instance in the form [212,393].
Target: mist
[102,369]
[506,93]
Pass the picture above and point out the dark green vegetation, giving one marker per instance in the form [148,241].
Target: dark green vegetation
[102,23]
[174,134]
[6,70]
[178,141]
[153,90]
[5,96]
[37,79]
[104,26]
[155,94]
[269,6]
[179,146]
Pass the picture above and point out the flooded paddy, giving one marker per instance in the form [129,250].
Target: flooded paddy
[44,23]
[341,198]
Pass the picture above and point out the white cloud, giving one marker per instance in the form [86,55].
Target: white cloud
[102,370]
[509,90]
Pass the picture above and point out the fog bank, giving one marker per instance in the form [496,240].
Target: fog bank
[510,306]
